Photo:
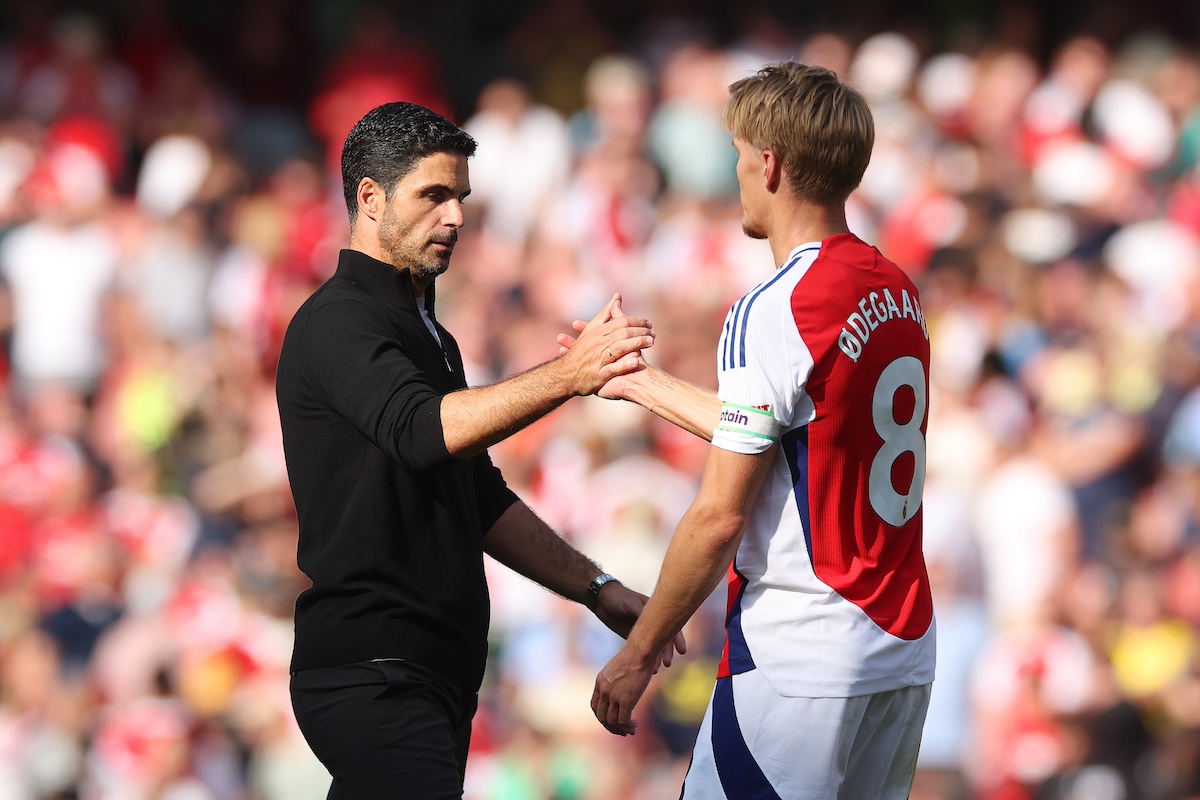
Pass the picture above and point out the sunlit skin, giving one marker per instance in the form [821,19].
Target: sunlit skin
[708,536]
[750,163]
[416,227]
[771,210]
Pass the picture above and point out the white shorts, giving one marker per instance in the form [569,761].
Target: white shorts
[755,744]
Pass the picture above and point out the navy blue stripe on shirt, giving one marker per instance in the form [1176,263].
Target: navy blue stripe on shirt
[725,335]
[740,659]
[750,298]
[730,325]
[795,453]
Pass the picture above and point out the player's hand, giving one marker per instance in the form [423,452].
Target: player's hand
[616,388]
[619,687]
[619,607]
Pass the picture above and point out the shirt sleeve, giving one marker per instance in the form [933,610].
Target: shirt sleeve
[356,363]
[762,368]
[491,492]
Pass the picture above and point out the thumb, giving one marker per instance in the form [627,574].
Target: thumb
[605,313]
[614,307]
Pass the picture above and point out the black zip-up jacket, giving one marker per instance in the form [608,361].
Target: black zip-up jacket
[391,526]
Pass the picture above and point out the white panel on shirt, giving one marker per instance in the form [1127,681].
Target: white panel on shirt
[762,363]
[807,640]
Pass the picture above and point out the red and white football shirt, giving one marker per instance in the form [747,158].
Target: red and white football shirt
[828,593]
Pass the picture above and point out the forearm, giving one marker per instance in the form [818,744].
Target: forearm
[525,544]
[683,404]
[475,419]
[700,553]
[703,547]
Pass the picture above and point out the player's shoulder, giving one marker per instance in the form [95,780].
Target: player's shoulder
[845,252]
[847,264]
[777,289]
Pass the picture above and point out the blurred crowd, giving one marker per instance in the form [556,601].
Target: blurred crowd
[162,215]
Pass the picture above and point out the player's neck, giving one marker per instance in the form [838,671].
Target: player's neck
[804,221]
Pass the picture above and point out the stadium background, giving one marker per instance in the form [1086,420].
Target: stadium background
[168,196]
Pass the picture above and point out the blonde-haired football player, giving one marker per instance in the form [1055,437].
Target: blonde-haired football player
[811,496]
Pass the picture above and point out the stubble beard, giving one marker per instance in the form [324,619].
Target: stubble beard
[422,263]
[426,270]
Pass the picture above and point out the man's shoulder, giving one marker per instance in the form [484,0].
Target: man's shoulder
[850,252]
[335,299]
[336,289]
[336,306]
[765,299]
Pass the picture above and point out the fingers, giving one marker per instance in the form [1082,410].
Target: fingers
[622,366]
[613,325]
[630,322]
[605,313]
[611,310]
[608,708]
[609,714]
[623,347]
[614,351]
[622,729]
[600,708]
[678,646]
[605,348]
[609,323]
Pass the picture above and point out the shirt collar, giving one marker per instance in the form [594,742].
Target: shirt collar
[381,279]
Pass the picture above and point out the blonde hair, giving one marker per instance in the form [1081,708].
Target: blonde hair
[820,128]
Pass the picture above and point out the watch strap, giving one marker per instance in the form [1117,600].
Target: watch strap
[593,590]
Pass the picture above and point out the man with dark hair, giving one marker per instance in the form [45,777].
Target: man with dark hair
[396,497]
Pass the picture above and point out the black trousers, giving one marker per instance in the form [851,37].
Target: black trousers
[386,729]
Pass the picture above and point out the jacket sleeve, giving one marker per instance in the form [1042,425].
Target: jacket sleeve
[356,364]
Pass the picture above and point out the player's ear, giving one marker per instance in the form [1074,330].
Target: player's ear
[371,199]
[772,170]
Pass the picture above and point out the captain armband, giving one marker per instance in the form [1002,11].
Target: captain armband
[746,421]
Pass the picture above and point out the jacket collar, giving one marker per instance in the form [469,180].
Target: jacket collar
[381,280]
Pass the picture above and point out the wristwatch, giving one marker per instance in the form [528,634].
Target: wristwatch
[593,590]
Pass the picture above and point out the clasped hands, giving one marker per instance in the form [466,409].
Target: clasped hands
[607,350]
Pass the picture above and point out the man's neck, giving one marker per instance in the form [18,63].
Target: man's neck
[369,245]
[802,221]
[366,244]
